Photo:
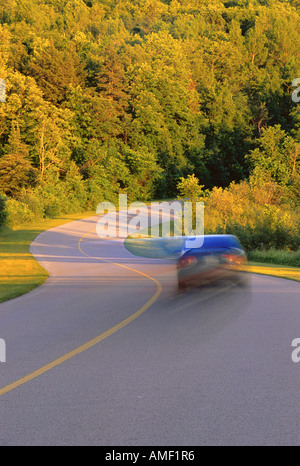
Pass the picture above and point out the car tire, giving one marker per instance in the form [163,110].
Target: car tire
[181,286]
[243,282]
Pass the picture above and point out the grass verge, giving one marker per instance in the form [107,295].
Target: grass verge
[19,271]
[275,270]
[277,257]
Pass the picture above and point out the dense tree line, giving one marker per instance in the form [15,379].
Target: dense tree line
[109,96]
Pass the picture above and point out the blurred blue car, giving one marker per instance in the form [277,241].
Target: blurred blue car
[219,257]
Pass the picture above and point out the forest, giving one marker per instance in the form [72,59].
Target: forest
[156,99]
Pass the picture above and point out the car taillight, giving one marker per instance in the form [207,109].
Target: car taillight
[234,259]
[186,261]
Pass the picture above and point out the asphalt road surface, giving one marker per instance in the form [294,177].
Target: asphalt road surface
[108,353]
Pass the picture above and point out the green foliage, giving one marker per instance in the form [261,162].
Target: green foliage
[189,188]
[3,212]
[148,97]
[60,196]
[271,228]
[274,256]
[55,70]
[31,200]
[18,213]
[256,214]
[16,170]
[276,158]
[144,171]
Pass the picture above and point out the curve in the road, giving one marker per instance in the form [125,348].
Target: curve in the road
[97,339]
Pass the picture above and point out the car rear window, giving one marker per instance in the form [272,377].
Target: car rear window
[220,241]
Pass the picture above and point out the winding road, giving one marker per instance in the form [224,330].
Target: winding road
[107,352]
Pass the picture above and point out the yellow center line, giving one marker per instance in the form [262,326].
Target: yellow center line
[95,340]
